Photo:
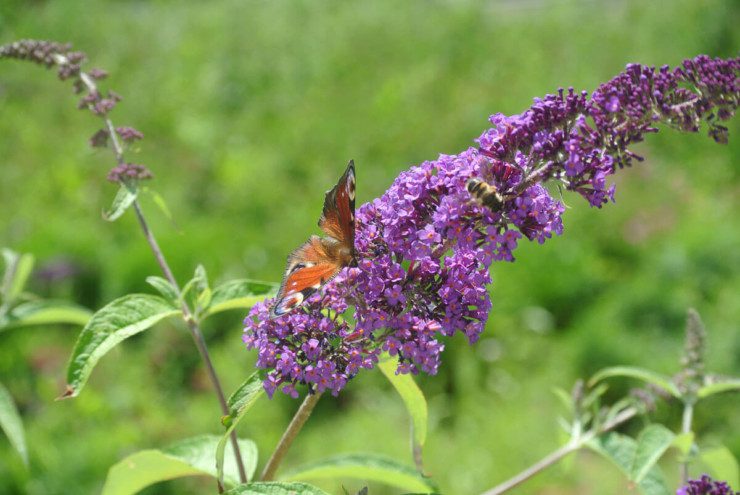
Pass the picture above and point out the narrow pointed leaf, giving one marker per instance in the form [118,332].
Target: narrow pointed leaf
[159,201]
[190,457]
[731,385]
[239,403]
[416,404]
[722,464]
[275,488]
[647,376]
[239,294]
[366,467]
[163,287]
[10,423]
[114,323]
[18,268]
[620,450]
[125,197]
[46,312]
[652,443]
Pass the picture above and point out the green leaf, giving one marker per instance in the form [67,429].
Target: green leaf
[46,312]
[414,400]
[10,422]
[652,443]
[239,294]
[239,403]
[275,488]
[125,197]
[189,457]
[159,201]
[683,442]
[115,322]
[731,385]
[722,464]
[647,376]
[620,450]
[164,287]
[366,467]
[18,268]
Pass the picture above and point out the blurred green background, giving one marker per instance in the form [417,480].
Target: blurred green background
[251,111]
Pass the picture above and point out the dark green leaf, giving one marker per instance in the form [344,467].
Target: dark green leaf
[239,403]
[10,422]
[190,457]
[416,404]
[115,322]
[239,294]
[125,197]
[275,488]
[18,268]
[652,443]
[45,312]
[366,467]
[164,287]
[647,376]
[621,450]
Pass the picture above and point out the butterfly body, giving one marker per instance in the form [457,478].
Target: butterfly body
[485,194]
[320,259]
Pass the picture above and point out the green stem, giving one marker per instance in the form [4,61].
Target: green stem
[688,415]
[574,444]
[300,418]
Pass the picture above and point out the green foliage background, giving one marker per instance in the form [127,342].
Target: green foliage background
[250,111]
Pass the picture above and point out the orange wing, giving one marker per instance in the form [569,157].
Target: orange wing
[309,267]
[338,217]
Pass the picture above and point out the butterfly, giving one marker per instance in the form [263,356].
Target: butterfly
[320,259]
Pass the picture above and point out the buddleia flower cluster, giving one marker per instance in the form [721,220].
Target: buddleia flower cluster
[69,67]
[705,486]
[425,247]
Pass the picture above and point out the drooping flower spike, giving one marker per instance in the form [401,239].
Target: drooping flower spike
[425,247]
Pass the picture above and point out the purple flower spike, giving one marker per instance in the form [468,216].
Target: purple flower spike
[705,486]
[425,247]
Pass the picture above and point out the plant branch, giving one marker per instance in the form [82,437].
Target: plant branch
[300,418]
[688,414]
[194,332]
[574,444]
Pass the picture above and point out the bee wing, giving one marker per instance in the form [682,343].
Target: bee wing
[338,217]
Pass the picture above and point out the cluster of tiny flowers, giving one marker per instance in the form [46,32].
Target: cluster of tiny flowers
[425,247]
[68,64]
[705,486]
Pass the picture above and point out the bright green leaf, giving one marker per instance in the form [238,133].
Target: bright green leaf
[732,385]
[652,443]
[276,488]
[18,268]
[190,457]
[413,398]
[10,422]
[722,464]
[366,467]
[46,312]
[239,403]
[683,442]
[647,376]
[125,197]
[239,294]
[159,201]
[115,322]
[164,287]
[620,450]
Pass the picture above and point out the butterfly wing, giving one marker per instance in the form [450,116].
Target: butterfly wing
[309,267]
[338,217]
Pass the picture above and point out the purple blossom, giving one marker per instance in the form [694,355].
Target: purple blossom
[425,246]
[129,172]
[705,486]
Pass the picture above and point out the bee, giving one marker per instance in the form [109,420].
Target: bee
[485,194]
